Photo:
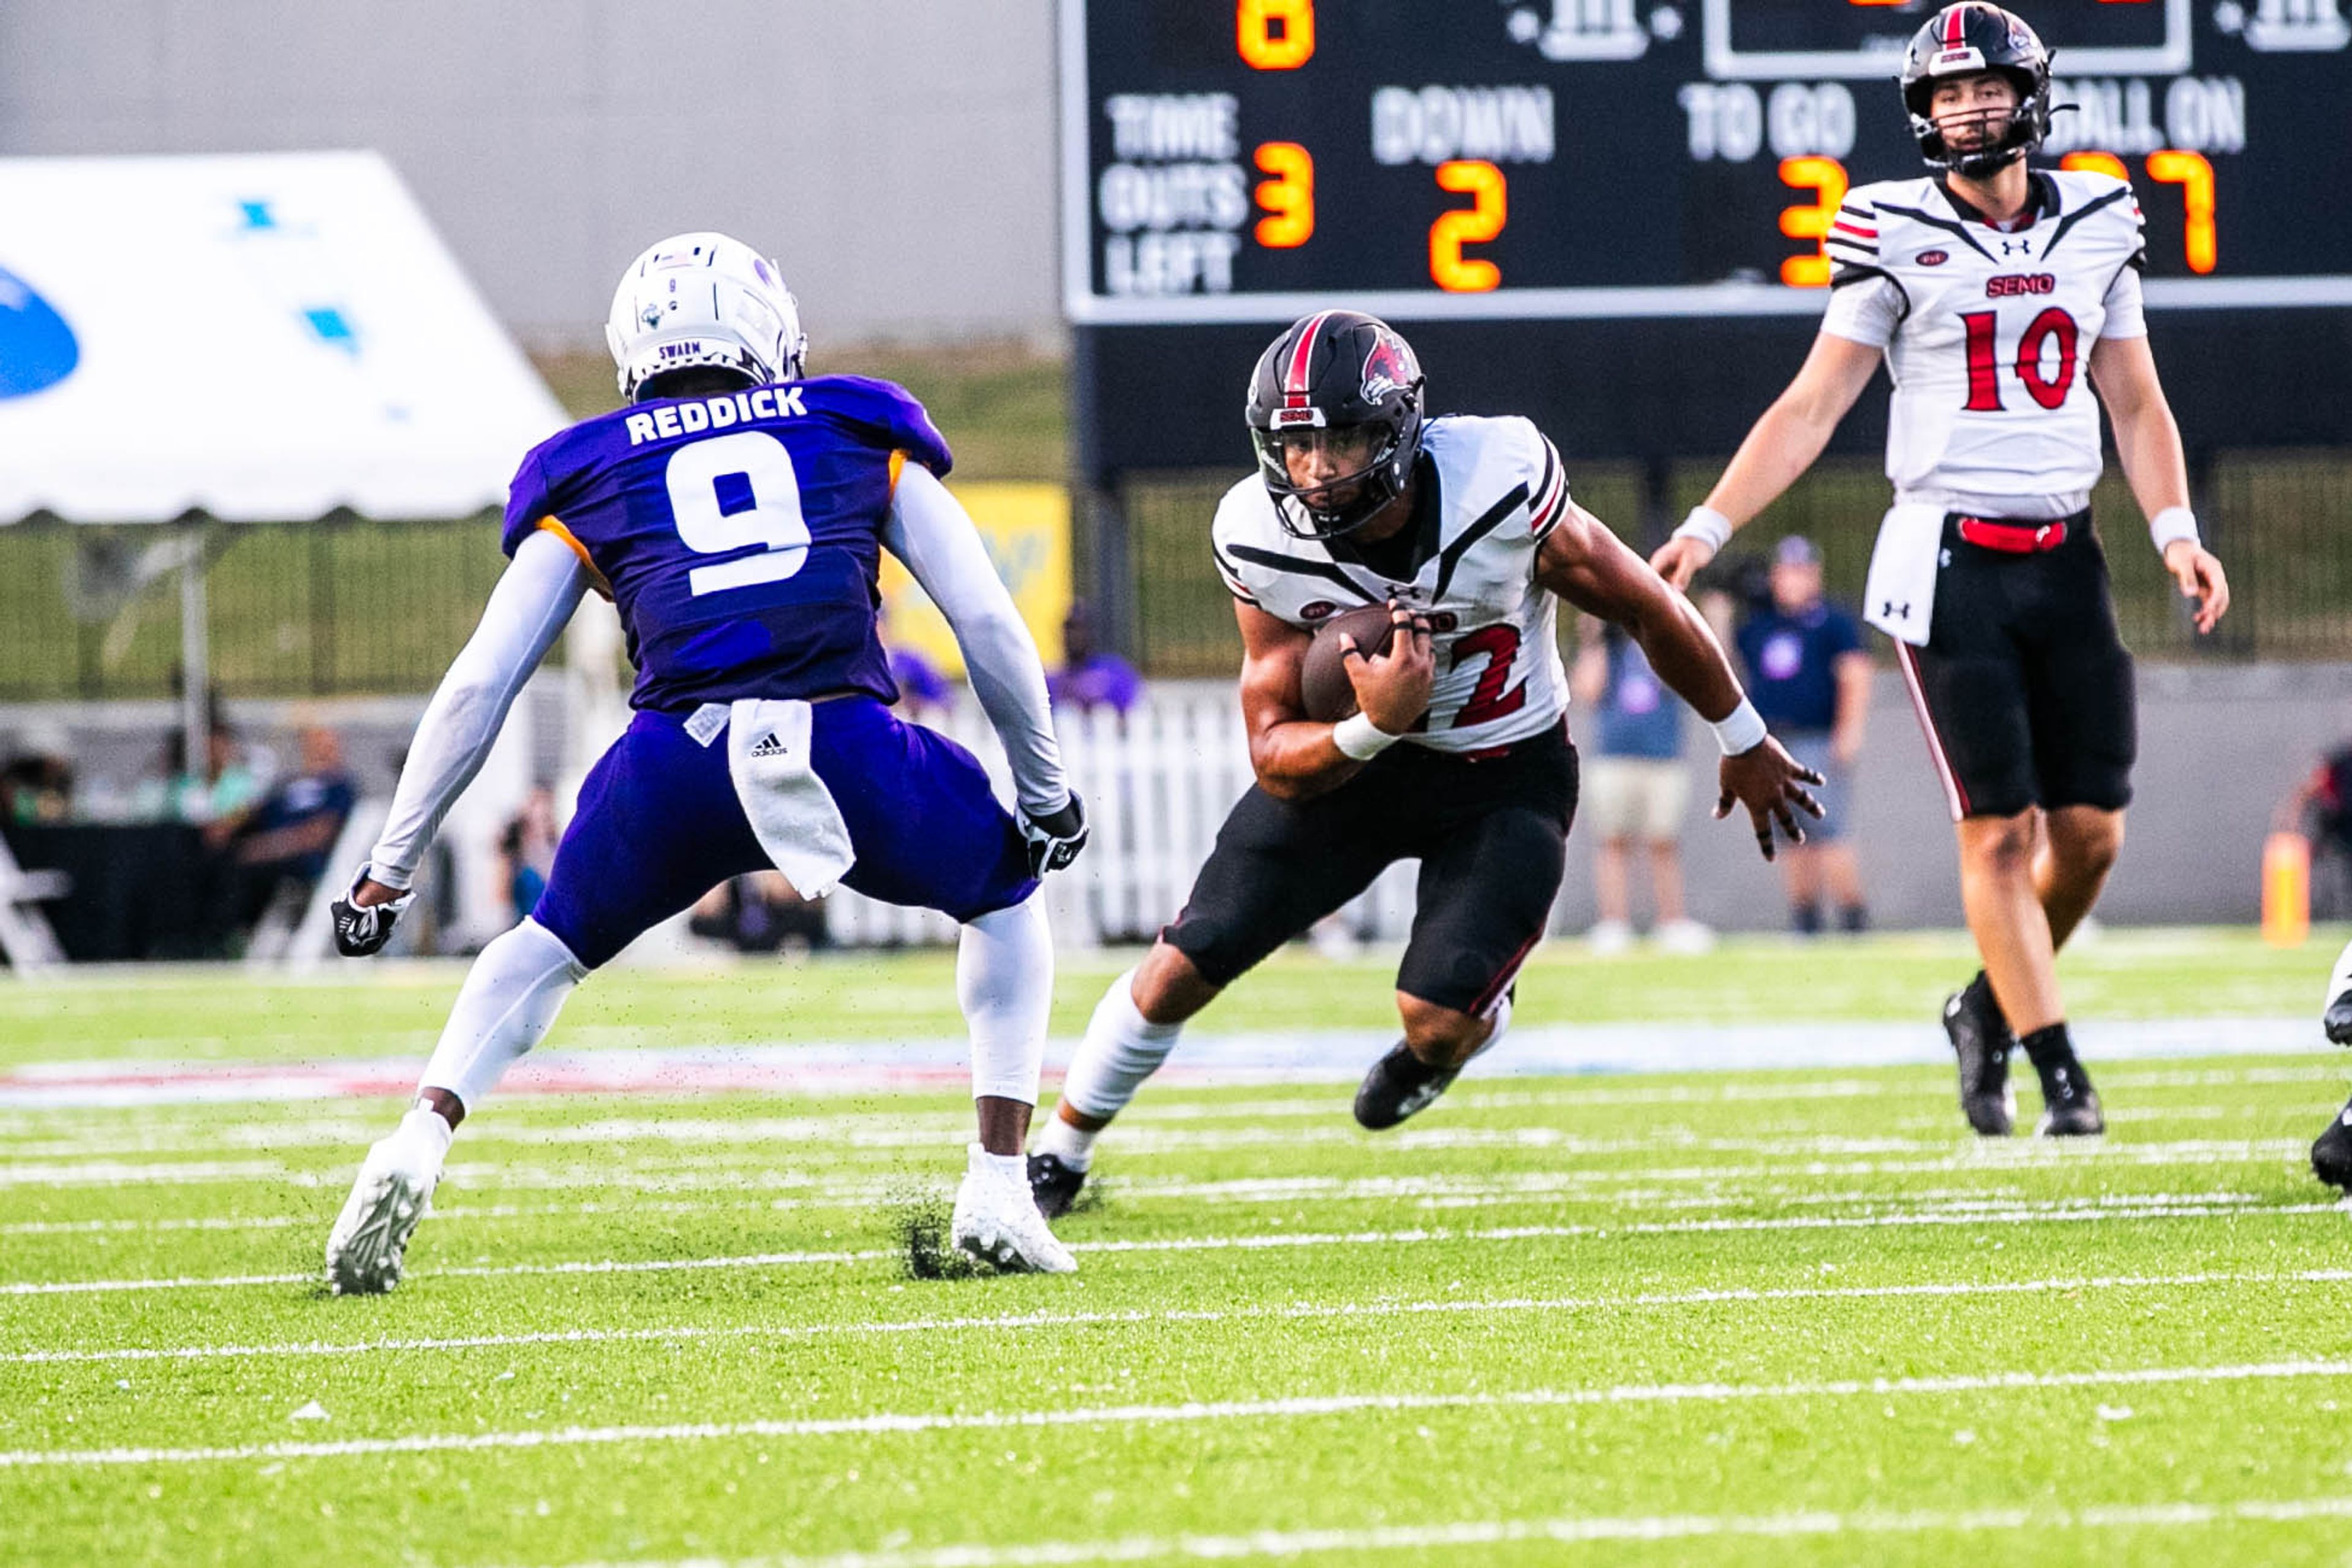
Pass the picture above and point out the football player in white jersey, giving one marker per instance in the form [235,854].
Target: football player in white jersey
[1999,297]
[1458,754]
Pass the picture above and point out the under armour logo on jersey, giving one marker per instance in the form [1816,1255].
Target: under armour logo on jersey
[1889,610]
[770,746]
[2017,248]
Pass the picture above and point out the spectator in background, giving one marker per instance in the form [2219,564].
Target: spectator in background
[921,684]
[222,789]
[2320,809]
[279,845]
[759,911]
[1809,675]
[36,786]
[1091,677]
[1634,790]
[526,851]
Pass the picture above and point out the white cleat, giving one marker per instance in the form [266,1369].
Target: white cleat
[1685,938]
[1608,939]
[395,1190]
[997,1222]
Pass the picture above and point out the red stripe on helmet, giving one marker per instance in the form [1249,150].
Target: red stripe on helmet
[1956,22]
[1293,380]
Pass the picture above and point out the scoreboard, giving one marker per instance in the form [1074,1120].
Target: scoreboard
[1609,213]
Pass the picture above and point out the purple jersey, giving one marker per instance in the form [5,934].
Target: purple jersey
[740,534]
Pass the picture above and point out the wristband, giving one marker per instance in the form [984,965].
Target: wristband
[1359,737]
[1741,730]
[2172,524]
[1707,525]
[377,871]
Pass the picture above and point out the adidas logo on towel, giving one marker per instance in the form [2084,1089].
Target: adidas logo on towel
[769,745]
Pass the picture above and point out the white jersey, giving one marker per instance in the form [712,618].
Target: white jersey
[1500,490]
[1988,334]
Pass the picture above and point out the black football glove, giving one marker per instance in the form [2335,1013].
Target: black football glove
[1055,838]
[361,932]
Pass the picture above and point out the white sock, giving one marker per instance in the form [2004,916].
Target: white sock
[428,1130]
[1012,1168]
[2341,981]
[1119,1051]
[1004,984]
[1074,1146]
[508,1002]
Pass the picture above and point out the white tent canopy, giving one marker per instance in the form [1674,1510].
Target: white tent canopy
[263,338]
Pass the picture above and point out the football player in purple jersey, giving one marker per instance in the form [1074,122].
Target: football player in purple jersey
[735,513]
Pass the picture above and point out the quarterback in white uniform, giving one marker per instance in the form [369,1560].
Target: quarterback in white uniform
[2001,298]
[1457,754]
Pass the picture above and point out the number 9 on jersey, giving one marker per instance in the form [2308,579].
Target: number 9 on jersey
[728,493]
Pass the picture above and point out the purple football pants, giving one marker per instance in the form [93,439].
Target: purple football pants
[658,826]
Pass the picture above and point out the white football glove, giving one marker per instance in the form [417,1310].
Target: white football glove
[1055,838]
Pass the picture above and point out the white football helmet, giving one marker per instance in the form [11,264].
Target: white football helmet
[704,300]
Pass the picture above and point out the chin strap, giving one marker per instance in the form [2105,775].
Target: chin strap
[1982,165]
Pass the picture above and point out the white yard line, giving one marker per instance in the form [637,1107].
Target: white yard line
[1567,1529]
[1298,1311]
[1783,1153]
[203,1135]
[151,1130]
[1742,1189]
[2020,1214]
[1167,1101]
[1170,1414]
[123,1174]
[1969,1160]
[1961,1159]
[838,1067]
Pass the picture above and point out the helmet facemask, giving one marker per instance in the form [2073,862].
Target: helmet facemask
[1333,505]
[2022,125]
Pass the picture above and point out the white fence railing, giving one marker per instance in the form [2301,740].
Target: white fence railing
[1158,783]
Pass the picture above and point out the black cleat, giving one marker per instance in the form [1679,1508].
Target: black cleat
[1982,1040]
[2337,1019]
[2070,1106]
[1399,1085]
[1054,1184]
[2331,1157]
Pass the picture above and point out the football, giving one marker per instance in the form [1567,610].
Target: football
[1324,690]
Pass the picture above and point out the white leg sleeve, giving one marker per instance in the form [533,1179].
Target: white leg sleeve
[1004,984]
[2341,981]
[510,1000]
[1120,1051]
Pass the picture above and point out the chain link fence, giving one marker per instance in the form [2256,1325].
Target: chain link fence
[315,610]
[350,608]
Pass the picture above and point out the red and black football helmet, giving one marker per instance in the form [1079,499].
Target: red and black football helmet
[1963,40]
[1336,370]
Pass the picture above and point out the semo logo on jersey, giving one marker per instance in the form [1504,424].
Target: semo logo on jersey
[1387,370]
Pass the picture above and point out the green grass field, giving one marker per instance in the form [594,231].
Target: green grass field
[1761,1316]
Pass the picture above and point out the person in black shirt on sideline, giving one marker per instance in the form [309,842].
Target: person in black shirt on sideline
[1810,677]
